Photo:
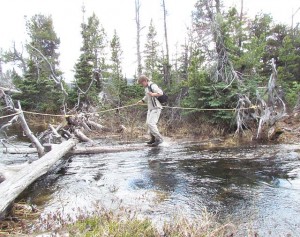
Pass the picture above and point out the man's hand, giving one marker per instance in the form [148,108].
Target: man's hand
[140,102]
[152,94]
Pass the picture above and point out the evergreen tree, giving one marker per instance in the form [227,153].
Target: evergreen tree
[260,30]
[289,67]
[151,57]
[39,92]
[91,61]
[117,81]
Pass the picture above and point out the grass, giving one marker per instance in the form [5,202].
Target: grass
[109,224]
[121,223]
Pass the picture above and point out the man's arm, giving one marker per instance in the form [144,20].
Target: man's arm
[156,91]
[142,100]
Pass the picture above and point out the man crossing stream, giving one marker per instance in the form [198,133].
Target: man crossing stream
[152,92]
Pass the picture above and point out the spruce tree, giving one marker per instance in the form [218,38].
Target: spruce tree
[117,82]
[151,60]
[289,67]
[39,92]
[91,61]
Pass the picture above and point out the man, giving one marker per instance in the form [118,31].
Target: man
[152,91]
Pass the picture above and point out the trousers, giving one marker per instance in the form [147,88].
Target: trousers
[152,120]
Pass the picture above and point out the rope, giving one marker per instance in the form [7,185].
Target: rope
[9,115]
[51,115]
[198,109]
[122,107]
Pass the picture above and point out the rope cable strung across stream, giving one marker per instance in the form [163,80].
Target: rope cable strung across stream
[126,106]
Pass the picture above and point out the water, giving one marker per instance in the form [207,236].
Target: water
[256,187]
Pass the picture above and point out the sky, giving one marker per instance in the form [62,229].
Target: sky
[118,15]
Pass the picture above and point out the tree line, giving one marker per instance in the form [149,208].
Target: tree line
[226,56]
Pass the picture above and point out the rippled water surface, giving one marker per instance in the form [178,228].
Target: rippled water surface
[255,186]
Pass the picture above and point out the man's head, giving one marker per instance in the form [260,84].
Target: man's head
[143,80]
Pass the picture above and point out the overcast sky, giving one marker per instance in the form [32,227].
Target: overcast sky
[119,15]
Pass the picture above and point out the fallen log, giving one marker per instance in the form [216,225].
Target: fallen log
[95,125]
[17,150]
[81,136]
[8,171]
[99,149]
[77,150]
[11,188]
[54,131]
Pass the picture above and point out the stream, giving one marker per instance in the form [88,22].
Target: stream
[256,187]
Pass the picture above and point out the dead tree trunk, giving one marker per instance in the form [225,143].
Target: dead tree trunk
[167,75]
[225,71]
[28,132]
[4,89]
[18,150]
[77,150]
[265,113]
[11,188]
[81,136]
[95,125]
[138,36]
[99,149]
[20,116]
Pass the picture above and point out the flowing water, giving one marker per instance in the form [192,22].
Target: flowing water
[256,187]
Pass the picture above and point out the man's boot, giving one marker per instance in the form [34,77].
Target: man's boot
[157,142]
[152,140]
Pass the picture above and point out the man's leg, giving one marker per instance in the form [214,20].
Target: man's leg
[152,138]
[152,120]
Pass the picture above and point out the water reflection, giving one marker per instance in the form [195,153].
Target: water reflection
[161,174]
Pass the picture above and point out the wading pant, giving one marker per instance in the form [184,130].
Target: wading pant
[152,120]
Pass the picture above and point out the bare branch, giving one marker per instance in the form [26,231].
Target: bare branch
[266,113]
[28,132]
[9,123]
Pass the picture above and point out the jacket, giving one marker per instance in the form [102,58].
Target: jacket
[152,102]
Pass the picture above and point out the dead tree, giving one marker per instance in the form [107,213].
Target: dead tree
[138,37]
[208,28]
[20,116]
[245,112]
[166,64]
[266,113]
[16,57]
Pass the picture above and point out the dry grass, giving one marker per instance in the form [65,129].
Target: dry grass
[109,224]
[19,219]
[126,223]
[121,223]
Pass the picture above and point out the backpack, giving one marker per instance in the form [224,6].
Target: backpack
[163,98]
